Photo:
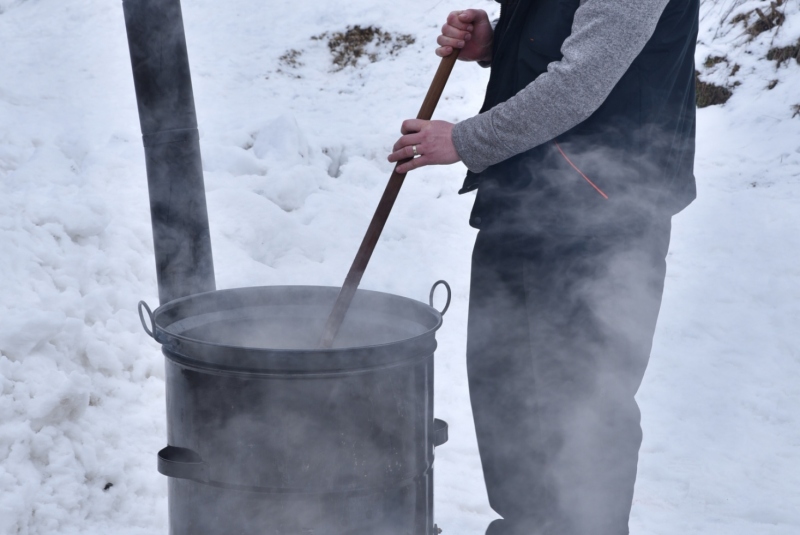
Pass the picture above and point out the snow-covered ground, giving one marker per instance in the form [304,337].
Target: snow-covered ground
[294,155]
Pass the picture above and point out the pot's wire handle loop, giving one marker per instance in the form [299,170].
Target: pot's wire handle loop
[143,305]
[433,291]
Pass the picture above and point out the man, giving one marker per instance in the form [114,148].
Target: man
[581,154]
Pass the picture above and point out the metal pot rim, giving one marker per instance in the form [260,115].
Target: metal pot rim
[215,353]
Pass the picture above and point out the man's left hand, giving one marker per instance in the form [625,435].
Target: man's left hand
[433,141]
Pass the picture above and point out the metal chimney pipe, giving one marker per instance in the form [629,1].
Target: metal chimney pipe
[163,83]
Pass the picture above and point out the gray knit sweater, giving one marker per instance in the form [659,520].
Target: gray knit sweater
[606,37]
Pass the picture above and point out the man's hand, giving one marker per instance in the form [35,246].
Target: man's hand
[432,141]
[469,30]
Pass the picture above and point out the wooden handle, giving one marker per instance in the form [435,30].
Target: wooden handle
[437,86]
[385,205]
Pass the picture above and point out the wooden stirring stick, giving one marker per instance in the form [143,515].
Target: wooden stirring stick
[385,205]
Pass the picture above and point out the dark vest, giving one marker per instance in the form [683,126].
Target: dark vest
[637,148]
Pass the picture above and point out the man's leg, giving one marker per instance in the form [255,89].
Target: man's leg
[559,337]
[500,373]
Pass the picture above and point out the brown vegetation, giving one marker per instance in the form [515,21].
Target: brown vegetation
[784,54]
[290,58]
[714,60]
[710,94]
[762,21]
[349,46]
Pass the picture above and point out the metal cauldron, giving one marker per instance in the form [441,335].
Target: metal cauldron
[268,435]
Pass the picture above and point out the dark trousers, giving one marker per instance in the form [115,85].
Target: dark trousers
[559,336]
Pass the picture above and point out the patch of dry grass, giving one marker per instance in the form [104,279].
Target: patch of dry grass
[349,46]
[710,94]
[784,54]
[761,21]
[291,58]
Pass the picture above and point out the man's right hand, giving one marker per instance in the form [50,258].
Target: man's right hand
[469,30]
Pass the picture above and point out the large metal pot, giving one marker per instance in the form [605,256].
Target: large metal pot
[268,435]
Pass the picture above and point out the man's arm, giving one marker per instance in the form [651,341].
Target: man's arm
[607,35]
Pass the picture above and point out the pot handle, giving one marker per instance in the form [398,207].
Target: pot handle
[143,305]
[439,432]
[449,295]
[182,463]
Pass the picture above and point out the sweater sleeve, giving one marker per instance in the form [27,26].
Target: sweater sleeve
[607,35]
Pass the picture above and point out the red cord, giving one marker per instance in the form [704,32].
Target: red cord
[586,178]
